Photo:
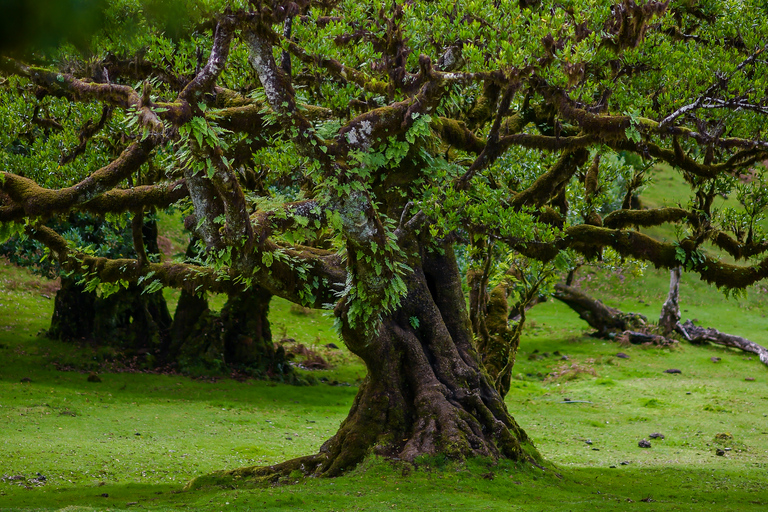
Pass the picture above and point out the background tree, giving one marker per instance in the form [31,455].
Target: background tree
[404,129]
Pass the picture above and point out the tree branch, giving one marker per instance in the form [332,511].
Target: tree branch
[38,201]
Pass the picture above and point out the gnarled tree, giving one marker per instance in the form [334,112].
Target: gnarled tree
[403,129]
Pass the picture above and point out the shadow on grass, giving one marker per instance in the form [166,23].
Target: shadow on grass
[477,485]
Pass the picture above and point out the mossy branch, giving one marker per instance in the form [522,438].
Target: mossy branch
[645,218]
[38,201]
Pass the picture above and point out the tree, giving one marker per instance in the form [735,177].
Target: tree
[340,154]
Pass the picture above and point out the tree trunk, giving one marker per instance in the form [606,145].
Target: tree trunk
[425,393]
[239,337]
[130,320]
[490,314]
[605,319]
[500,349]
[73,312]
[669,320]
[135,322]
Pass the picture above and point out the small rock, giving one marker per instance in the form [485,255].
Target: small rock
[105,495]
[596,449]
[644,443]
[648,499]
[672,370]
[137,434]
[622,355]
[749,379]
[332,345]
[41,477]
[714,359]
[564,358]
[656,435]
[720,452]
[94,378]
[688,393]
[624,463]
[588,441]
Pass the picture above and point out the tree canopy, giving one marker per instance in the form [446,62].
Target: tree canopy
[357,155]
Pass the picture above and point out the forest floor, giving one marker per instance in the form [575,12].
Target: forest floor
[133,440]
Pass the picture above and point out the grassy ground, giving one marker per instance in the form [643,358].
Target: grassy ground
[133,440]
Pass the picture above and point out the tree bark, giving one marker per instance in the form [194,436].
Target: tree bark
[73,312]
[239,337]
[426,391]
[130,320]
[669,320]
[490,314]
[134,321]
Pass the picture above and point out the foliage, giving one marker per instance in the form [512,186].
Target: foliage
[334,152]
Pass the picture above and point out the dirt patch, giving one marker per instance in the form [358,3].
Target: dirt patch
[305,357]
[566,372]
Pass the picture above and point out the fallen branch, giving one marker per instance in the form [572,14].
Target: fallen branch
[670,321]
[642,338]
[605,319]
[709,335]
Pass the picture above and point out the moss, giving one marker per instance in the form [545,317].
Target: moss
[644,218]
[457,134]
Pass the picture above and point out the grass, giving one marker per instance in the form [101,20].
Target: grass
[133,440]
